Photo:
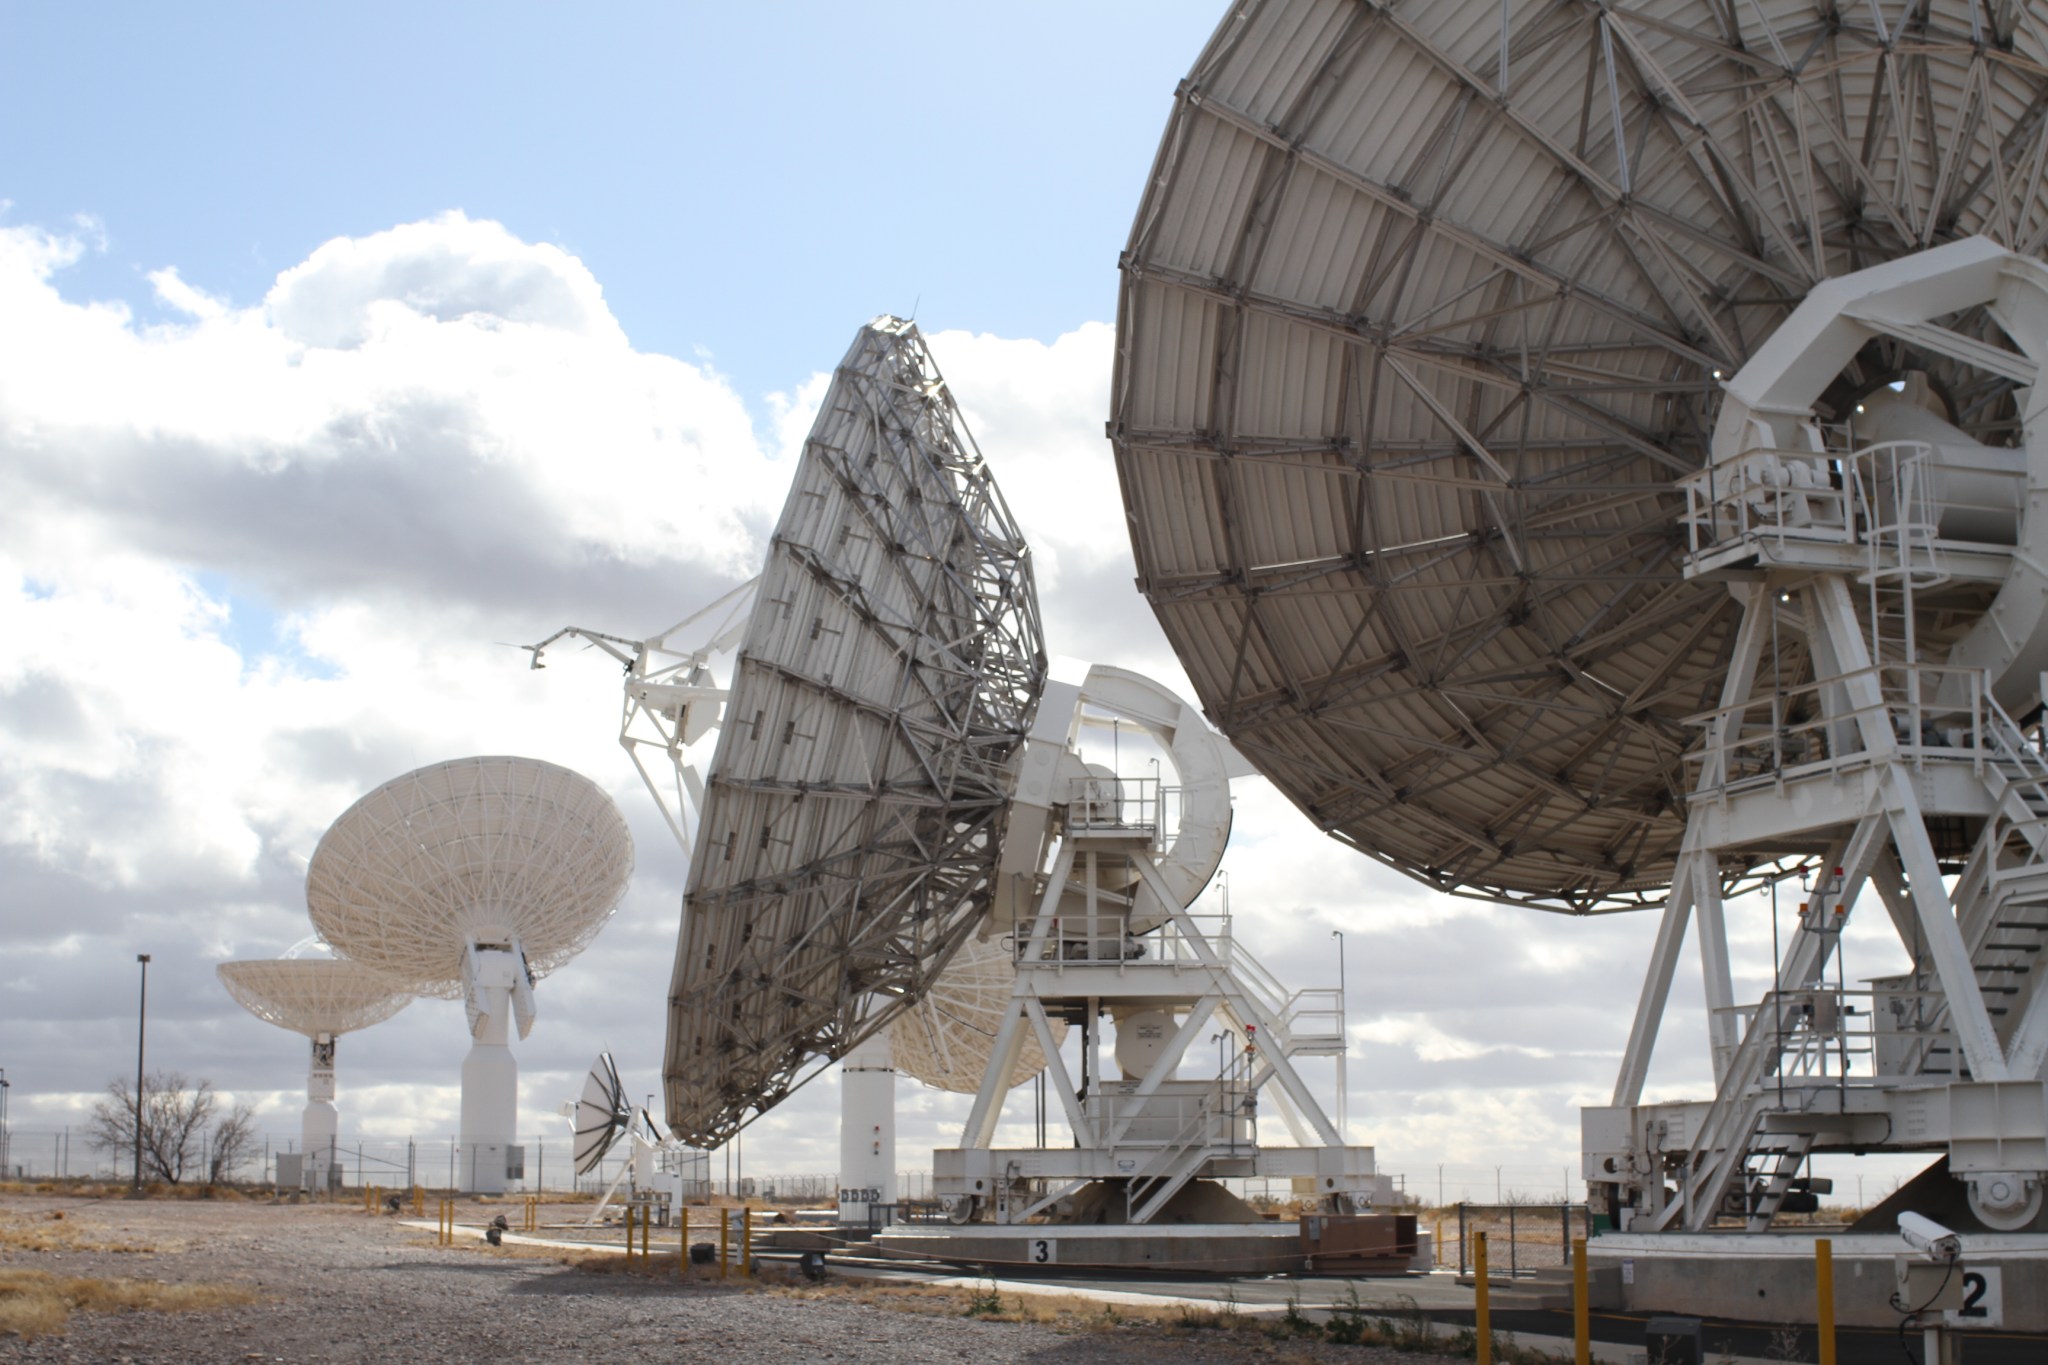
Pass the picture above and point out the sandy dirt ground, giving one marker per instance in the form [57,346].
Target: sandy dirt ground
[331,1283]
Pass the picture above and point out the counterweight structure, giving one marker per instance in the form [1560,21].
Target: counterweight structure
[1586,456]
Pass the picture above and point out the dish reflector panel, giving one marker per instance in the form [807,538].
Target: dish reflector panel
[484,850]
[313,995]
[850,831]
[1422,316]
[947,1039]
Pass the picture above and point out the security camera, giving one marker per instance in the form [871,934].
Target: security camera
[1930,1238]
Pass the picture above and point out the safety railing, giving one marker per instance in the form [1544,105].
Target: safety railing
[1934,712]
[1834,1036]
[1777,496]
[1106,937]
[1123,805]
[1889,496]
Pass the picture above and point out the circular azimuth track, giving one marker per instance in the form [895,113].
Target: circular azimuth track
[1421,319]
[851,828]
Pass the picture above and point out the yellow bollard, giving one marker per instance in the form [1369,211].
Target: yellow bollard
[1436,1244]
[747,1241]
[1824,1295]
[419,1202]
[1582,1306]
[1482,1318]
[683,1246]
[724,1240]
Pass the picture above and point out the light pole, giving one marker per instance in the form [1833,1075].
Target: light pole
[1344,1034]
[141,1030]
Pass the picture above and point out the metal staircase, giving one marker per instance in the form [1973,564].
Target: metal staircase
[1211,1132]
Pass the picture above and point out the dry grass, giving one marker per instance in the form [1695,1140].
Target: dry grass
[54,1231]
[34,1303]
[120,1189]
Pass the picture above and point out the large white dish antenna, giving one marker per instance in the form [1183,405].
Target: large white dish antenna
[850,834]
[312,995]
[1422,317]
[470,851]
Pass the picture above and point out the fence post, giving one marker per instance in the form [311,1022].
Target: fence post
[1463,1241]
[1824,1297]
[1582,1306]
[683,1245]
[747,1240]
[1482,1318]
[724,1240]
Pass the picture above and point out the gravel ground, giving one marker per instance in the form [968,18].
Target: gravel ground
[339,1285]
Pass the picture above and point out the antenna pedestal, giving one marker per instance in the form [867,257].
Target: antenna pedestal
[1894,622]
[867,1131]
[320,1126]
[1183,994]
[490,1076]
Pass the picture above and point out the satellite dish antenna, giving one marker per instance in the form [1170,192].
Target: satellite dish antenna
[1540,428]
[323,998]
[886,783]
[602,1113]
[474,878]
[851,831]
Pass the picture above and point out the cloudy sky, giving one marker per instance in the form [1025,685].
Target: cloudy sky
[341,352]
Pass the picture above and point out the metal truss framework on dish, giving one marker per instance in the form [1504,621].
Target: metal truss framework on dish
[474,878]
[852,821]
[322,998]
[1422,317]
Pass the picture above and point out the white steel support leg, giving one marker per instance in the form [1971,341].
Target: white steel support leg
[980,1129]
[1245,1008]
[1936,915]
[1656,994]
[1009,1042]
[1664,954]
[1944,937]
[1714,971]
[2027,1058]
[1056,1068]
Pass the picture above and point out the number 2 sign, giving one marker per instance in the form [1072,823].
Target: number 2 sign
[1983,1299]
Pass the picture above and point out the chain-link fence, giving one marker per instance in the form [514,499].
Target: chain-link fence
[45,1154]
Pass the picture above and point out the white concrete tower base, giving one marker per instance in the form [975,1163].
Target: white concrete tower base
[490,1079]
[320,1125]
[867,1130]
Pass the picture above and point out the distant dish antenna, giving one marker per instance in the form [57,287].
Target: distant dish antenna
[474,878]
[852,829]
[602,1113]
[322,998]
